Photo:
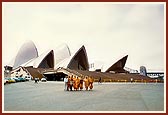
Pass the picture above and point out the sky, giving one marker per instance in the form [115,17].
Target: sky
[107,30]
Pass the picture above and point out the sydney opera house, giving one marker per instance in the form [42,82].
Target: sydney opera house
[55,64]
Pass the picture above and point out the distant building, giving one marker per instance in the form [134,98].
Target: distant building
[143,71]
[7,71]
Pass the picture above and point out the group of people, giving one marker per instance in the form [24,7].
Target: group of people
[76,83]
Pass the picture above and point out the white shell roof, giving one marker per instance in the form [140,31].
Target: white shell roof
[61,52]
[64,63]
[109,64]
[77,51]
[35,62]
[38,60]
[27,52]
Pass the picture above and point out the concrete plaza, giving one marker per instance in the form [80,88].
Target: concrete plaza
[50,96]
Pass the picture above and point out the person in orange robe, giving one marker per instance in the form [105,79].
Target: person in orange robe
[77,83]
[86,83]
[71,83]
[74,83]
[81,84]
[90,79]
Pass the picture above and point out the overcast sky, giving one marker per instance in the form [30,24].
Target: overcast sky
[109,31]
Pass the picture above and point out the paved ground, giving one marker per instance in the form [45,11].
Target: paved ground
[50,96]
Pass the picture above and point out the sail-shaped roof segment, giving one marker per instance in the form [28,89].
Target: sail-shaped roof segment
[77,60]
[27,52]
[48,59]
[45,60]
[118,66]
[61,52]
